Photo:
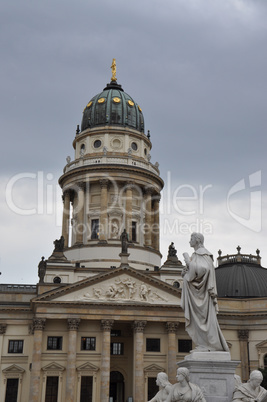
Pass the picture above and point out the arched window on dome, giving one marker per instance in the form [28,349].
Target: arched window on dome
[131,116]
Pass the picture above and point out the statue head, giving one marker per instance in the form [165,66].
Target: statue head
[162,379]
[255,378]
[196,239]
[183,371]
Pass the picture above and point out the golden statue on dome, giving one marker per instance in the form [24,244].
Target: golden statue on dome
[113,69]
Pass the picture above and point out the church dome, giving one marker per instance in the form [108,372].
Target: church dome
[113,107]
[241,276]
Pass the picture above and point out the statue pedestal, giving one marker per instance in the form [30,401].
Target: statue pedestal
[124,259]
[213,372]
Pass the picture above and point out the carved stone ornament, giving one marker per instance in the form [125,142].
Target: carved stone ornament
[172,327]
[38,324]
[123,289]
[106,325]
[59,244]
[73,323]
[243,334]
[139,326]
[3,329]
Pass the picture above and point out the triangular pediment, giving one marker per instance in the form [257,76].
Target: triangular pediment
[13,369]
[122,285]
[53,367]
[87,367]
[154,368]
[262,344]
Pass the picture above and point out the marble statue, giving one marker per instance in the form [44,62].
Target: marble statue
[250,391]
[164,388]
[42,270]
[199,298]
[184,390]
[124,242]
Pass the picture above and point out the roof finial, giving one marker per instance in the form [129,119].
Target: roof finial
[113,69]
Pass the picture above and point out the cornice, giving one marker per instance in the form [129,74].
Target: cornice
[110,168]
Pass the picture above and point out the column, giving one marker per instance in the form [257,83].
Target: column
[103,224]
[155,227]
[2,333]
[66,217]
[172,348]
[80,227]
[105,360]
[129,209]
[148,220]
[38,327]
[73,325]
[139,380]
[243,341]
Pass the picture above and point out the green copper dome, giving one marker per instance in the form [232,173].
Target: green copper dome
[113,107]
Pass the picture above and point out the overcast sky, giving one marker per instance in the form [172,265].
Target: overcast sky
[198,69]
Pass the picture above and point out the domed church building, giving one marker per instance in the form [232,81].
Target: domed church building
[105,317]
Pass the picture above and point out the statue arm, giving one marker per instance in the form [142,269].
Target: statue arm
[154,399]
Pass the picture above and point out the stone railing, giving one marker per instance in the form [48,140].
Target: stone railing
[111,160]
[234,258]
[18,288]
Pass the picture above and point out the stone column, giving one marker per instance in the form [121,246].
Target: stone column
[148,220]
[243,342]
[172,348]
[129,209]
[155,227]
[139,380]
[38,327]
[2,333]
[73,325]
[103,224]
[79,227]
[66,217]
[105,360]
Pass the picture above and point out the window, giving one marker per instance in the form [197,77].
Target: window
[153,345]
[15,346]
[95,229]
[54,343]
[88,343]
[265,361]
[134,146]
[134,237]
[97,144]
[86,389]
[116,348]
[184,345]
[51,389]
[12,386]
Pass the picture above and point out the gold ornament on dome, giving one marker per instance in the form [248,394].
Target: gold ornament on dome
[116,100]
[101,100]
[114,70]
[131,103]
[140,110]
[89,104]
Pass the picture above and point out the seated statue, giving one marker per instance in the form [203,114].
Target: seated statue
[250,391]
[184,390]
[164,388]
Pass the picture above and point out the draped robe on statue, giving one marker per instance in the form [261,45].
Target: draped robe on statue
[199,302]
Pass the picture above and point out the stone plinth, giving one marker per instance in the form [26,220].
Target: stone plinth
[124,259]
[213,372]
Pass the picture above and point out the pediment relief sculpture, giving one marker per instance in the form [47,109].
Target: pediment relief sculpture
[125,289]
[122,288]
